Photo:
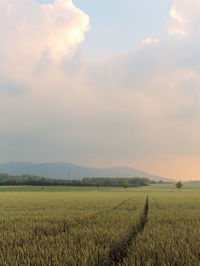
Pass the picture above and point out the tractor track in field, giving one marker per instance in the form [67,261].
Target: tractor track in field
[92,218]
[120,204]
[120,250]
[88,220]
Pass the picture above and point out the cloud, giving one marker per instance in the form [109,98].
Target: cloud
[128,107]
[184,17]
[149,41]
[9,87]
[38,32]
[177,23]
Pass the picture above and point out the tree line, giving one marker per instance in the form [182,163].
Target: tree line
[118,182]
[29,180]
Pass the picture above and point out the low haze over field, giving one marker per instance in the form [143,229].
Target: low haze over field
[101,85]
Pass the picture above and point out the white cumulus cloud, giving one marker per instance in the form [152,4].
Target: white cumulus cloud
[32,32]
[184,17]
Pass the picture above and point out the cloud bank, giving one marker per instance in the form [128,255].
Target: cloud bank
[34,35]
[139,108]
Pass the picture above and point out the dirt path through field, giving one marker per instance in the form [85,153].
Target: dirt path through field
[119,251]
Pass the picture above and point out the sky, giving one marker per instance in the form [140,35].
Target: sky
[101,83]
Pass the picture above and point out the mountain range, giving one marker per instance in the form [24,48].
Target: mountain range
[71,171]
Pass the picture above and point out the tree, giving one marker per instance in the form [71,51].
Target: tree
[98,184]
[126,184]
[179,184]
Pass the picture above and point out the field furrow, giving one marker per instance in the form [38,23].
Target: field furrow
[119,251]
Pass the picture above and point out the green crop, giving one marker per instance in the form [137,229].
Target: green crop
[100,226]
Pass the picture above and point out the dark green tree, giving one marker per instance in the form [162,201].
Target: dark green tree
[98,184]
[179,184]
[125,184]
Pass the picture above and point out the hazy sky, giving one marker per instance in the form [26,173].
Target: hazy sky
[101,83]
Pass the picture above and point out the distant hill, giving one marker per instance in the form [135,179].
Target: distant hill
[71,171]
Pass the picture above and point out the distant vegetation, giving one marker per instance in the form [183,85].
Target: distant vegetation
[117,182]
[26,180]
[179,184]
[193,182]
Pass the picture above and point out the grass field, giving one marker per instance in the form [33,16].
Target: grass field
[105,226]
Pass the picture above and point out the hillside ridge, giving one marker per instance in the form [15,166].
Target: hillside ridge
[72,171]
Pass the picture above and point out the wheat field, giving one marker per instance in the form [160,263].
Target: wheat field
[101,226]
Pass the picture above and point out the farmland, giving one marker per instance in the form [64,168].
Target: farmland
[100,226]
